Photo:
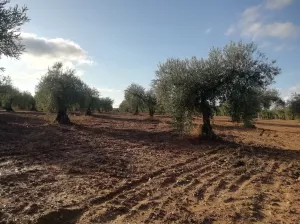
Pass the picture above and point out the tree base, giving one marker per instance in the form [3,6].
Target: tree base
[62,118]
[207,132]
[249,124]
[33,109]
[88,112]
[9,109]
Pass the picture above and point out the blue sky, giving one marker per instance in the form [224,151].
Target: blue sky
[113,43]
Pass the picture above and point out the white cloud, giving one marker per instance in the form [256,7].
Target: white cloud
[207,31]
[253,24]
[277,4]
[287,92]
[41,53]
[265,44]
[280,47]
[109,90]
[230,30]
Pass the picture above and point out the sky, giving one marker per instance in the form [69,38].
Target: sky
[113,43]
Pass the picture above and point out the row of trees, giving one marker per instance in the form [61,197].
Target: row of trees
[235,78]
[59,90]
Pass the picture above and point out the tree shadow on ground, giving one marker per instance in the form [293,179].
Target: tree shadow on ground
[32,141]
[278,125]
[21,117]
[170,141]
[234,127]
[75,146]
[126,119]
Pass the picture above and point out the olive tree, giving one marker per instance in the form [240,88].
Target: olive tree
[9,97]
[190,86]
[146,97]
[245,105]
[11,19]
[91,96]
[58,90]
[149,99]
[25,101]
[294,105]
[124,106]
[105,104]
[132,96]
[271,97]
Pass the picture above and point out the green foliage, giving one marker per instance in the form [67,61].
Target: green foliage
[244,106]
[104,104]
[150,101]
[133,97]
[24,101]
[269,97]
[8,93]
[137,98]
[59,90]
[222,110]
[90,99]
[124,106]
[282,114]
[294,105]
[232,74]
[9,97]
[11,19]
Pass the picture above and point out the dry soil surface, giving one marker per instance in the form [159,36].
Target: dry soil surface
[118,168]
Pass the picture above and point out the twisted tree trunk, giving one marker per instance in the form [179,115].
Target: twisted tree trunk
[206,129]
[136,110]
[88,112]
[151,111]
[62,117]
[8,106]
[33,108]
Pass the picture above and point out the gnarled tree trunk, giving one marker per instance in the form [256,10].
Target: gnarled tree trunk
[206,129]
[248,123]
[9,109]
[8,106]
[151,111]
[33,108]
[136,110]
[88,111]
[62,117]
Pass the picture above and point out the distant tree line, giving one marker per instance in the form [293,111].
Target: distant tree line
[271,106]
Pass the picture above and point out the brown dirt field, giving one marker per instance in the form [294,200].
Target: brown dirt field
[118,168]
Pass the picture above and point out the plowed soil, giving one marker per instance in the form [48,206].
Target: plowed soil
[120,168]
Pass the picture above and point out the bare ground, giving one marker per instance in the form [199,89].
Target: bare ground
[117,168]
